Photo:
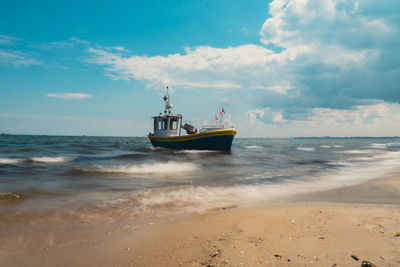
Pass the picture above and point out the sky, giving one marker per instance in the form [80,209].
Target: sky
[281,68]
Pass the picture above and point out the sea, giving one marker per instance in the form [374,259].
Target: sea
[91,180]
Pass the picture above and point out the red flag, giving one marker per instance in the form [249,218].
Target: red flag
[216,117]
[223,110]
[220,113]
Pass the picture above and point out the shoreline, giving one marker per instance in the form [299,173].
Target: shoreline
[379,191]
[313,229]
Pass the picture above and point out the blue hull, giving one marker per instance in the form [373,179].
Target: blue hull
[221,142]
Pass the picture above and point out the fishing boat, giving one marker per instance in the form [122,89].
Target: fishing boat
[169,132]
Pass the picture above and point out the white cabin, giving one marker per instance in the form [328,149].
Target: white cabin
[167,125]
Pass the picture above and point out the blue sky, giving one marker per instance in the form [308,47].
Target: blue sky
[279,68]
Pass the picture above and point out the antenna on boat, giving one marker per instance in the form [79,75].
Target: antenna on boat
[168,105]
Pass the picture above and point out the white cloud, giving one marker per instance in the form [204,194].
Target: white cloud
[329,27]
[264,116]
[8,40]
[248,66]
[280,88]
[53,45]
[381,119]
[79,41]
[119,48]
[69,96]
[17,59]
[332,21]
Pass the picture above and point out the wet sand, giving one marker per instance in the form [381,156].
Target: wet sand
[319,229]
[384,191]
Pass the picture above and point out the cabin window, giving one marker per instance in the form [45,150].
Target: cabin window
[166,123]
[173,124]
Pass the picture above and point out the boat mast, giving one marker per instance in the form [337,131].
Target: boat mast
[168,105]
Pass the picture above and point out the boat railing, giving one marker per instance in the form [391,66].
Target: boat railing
[206,128]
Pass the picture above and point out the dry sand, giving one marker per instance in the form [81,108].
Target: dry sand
[291,234]
[277,235]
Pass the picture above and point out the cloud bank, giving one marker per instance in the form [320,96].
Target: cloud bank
[200,67]
[349,57]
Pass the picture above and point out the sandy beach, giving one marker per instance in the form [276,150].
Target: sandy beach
[341,227]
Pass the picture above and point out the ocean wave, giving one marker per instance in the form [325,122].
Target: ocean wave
[377,146]
[314,161]
[362,158]
[145,168]
[380,158]
[310,149]
[253,147]
[201,198]
[130,156]
[152,148]
[195,151]
[27,149]
[342,163]
[325,146]
[389,155]
[338,146]
[50,159]
[393,144]
[189,199]
[356,151]
[10,161]
[8,197]
[82,145]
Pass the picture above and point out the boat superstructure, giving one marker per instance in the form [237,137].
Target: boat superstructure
[171,132]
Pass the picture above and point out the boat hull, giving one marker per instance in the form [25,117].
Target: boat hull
[211,140]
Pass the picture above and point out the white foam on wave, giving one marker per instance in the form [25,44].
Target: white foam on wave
[377,146]
[362,158]
[337,146]
[310,149]
[253,147]
[152,148]
[147,168]
[389,155]
[393,144]
[344,163]
[187,151]
[10,161]
[201,198]
[356,151]
[325,146]
[50,159]
[351,162]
